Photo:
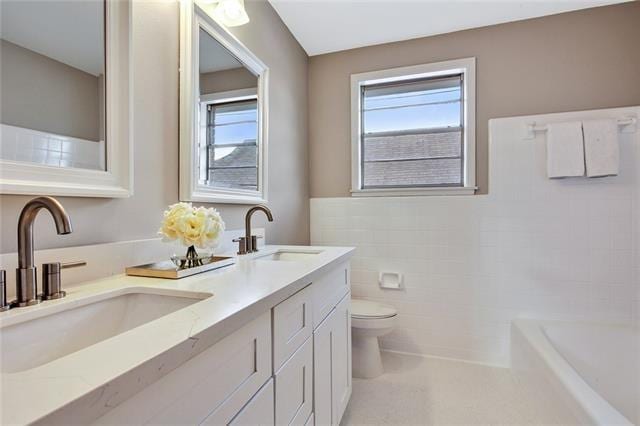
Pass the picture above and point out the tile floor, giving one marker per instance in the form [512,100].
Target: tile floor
[430,391]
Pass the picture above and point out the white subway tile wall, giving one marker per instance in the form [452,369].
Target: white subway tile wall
[32,146]
[554,249]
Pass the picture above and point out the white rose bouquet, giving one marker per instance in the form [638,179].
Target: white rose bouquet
[194,227]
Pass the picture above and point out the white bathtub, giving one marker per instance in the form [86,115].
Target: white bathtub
[593,369]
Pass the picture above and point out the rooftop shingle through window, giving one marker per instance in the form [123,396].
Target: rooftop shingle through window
[422,159]
[227,174]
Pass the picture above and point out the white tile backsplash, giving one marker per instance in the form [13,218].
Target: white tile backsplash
[20,144]
[534,247]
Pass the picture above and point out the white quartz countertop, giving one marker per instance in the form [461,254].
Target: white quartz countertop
[92,380]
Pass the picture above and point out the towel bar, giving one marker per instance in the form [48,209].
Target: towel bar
[628,125]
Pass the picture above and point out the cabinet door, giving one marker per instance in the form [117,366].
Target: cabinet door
[341,356]
[294,387]
[322,340]
[332,364]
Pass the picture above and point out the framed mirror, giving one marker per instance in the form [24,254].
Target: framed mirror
[223,114]
[65,105]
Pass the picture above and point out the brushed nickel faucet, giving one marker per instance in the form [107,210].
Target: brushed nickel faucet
[26,274]
[249,243]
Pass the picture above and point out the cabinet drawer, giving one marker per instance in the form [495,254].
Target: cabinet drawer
[294,387]
[214,385]
[291,326]
[259,411]
[328,290]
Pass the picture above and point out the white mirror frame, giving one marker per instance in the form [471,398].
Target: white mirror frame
[117,181]
[192,18]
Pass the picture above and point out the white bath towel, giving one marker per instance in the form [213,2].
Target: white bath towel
[565,150]
[601,150]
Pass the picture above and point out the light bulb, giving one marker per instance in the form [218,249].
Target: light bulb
[232,9]
[231,13]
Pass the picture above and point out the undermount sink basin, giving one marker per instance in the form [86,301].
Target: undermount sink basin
[290,256]
[36,342]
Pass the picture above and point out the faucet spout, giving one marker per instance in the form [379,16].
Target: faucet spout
[25,226]
[247,225]
[26,274]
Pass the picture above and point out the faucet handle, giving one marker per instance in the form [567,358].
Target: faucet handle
[3,291]
[242,244]
[51,278]
[75,264]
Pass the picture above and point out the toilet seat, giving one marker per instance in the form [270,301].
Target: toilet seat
[365,309]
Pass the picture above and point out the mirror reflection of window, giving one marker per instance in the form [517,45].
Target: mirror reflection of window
[232,156]
[52,108]
[229,145]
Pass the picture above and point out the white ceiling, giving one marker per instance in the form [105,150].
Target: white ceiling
[68,31]
[323,26]
[213,56]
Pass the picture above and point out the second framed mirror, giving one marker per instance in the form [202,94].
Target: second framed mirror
[223,114]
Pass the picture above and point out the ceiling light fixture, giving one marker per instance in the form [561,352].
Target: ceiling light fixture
[230,13]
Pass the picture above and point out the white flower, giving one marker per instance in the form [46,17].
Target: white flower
[193,226]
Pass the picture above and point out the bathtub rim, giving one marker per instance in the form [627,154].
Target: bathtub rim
[585,399]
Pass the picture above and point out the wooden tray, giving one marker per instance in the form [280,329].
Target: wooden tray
[168,269]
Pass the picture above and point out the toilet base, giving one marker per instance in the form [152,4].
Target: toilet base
[366,359]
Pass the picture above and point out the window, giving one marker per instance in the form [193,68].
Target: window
[413,130]
[231,159]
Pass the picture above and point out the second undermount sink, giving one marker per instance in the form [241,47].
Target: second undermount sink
[38,341]
[290,256]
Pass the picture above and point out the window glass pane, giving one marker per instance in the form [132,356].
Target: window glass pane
[413,173]
[412,133]
[232,152]
[412,117]
[413,146]
[244,178]
[244,133]
[422,104]
[240,156]
[236,112]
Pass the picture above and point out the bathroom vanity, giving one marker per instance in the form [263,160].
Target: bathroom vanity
[265,341]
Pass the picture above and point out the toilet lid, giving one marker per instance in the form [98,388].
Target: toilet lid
[367,309]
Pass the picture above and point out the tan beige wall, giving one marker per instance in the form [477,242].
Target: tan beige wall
[155,139]
[222,81]
[40,93]
[574,61]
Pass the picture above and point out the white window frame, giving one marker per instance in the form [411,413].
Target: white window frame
[466,67]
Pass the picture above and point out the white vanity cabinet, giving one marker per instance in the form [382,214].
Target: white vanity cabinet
[321,367]
[289,366]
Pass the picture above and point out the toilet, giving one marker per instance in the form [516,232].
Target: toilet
[369,320]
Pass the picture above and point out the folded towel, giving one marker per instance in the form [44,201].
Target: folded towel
[601,150]
[565,150]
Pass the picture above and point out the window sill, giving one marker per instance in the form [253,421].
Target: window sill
[413,192]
